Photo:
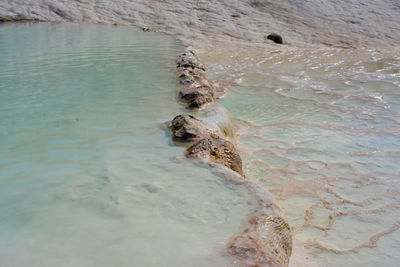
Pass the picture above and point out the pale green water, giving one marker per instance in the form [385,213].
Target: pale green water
[87,175]
[321,130]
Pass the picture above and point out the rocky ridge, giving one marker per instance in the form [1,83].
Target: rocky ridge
[267,240]
[197,91]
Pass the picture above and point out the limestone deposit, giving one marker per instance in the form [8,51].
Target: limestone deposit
[266,242]
[196,90]
[206,143]
[207,24]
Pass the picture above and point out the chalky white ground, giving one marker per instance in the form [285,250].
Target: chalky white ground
[233,23]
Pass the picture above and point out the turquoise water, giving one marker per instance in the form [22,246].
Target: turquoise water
[88,174]
[320,129]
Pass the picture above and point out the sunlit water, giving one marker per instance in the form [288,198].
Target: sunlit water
[88,176]
[321,129]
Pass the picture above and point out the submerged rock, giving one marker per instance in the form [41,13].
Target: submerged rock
[267,242]
[275,37]
[218,151]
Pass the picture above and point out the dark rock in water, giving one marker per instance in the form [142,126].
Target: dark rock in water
[267,242]
[208,145]
[186,128]
[197,95]
[218,151]
[189,61]
[146,30]
[196,73]
[276,38]
[235,15]
[197,91]
[189,76]
[198,102]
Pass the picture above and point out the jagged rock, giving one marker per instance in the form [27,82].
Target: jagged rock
[275,37]
[197,73]
[217,150]
[197,95]
[266,242]
[186,78]
[197,91]
[189,76]
[208,145]
[187,60]
[186,128]
[198,102]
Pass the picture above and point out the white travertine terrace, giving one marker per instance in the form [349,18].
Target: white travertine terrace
[232,23]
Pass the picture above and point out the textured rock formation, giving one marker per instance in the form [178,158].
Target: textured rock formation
[266,242]
[186,128]
[189,61]
[197,91]
[196,95]
[217,150]
[207,144]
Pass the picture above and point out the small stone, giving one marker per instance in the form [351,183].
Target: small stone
[276,38]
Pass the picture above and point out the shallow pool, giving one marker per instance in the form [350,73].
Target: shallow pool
[88,174]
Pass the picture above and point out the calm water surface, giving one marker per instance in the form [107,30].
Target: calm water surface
[88,177]
[320,129]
